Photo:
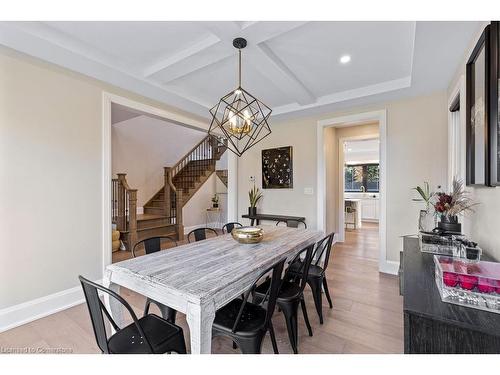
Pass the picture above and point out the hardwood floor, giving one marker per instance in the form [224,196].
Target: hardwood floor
[366,317]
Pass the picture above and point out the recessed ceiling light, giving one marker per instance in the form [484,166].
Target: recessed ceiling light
[345,59]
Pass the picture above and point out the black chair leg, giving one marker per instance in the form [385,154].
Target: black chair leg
[325,287]
[315,284]
[290,311]
[306,318]
[273,338]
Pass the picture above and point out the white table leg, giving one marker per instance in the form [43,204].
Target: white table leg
[200,319]
[114,307]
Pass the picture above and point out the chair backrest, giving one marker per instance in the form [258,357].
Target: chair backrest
[153,244]
[292,223]
[200,234]
[228,228]
[271,294]
[303,263]
[322,251]
[97,309]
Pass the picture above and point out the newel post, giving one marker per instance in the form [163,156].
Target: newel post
[178,211]
[132,218]
[122,218]
[167,191]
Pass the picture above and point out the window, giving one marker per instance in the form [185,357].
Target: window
[362,177]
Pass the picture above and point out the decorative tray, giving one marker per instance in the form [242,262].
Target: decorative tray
[468,283]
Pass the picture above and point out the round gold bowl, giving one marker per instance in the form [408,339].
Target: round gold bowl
[248,234]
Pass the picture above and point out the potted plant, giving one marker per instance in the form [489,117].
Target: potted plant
[426,219]
[449,206]
[215,201]
[254,196]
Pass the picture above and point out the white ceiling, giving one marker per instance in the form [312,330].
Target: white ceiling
[362,151]
[291,66]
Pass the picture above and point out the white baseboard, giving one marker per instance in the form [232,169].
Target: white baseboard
[17,315]
[390,267]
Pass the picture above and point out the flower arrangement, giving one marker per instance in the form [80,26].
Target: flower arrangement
[449,205]
[446,205]
[455,203]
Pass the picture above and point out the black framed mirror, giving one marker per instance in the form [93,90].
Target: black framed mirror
[477,111]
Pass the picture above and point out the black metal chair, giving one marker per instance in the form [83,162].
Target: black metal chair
[317,277]
[291,294]
[147,335]
[153,245]
[228,228]
[292,223]
[200,234]
[246,323]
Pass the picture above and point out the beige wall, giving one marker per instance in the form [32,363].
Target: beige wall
[332,137]
[194,212]
[50,168]
[416,151]
[482,226]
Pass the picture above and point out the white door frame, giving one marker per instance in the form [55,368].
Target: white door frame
[107,100]
[351,120]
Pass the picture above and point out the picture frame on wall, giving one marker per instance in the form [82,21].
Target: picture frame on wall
[494,118]
[277,168]
[477,112]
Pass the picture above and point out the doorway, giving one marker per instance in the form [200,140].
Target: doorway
[380,117]
[359,174]
[110,101]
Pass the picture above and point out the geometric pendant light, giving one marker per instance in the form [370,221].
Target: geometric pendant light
[239,115]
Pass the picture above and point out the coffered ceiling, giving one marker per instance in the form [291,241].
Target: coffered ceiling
[291,66]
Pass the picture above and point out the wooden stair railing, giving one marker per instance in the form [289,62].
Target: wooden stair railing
[172,203]
[124,208]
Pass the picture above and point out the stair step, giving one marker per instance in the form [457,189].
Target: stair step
[153,210]
[150,221]
[155,203]
[155,227]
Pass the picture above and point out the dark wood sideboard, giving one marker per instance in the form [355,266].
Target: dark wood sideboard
[433,326]
[268,217]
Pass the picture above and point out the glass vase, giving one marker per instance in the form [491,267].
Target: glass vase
[426,221]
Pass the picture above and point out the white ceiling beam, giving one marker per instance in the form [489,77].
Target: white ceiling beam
[271,66]
[261,56]
[183,54]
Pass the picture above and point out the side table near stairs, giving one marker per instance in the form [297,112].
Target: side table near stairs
[214,217]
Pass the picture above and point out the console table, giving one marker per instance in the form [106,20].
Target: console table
[433,326]
[258,217]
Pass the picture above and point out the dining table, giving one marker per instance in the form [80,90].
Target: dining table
[198,278]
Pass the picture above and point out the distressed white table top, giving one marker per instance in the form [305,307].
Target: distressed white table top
[213,268]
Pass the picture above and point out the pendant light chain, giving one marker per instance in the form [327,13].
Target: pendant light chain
[239,68]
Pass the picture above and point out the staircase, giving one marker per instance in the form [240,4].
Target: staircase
[163,212]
